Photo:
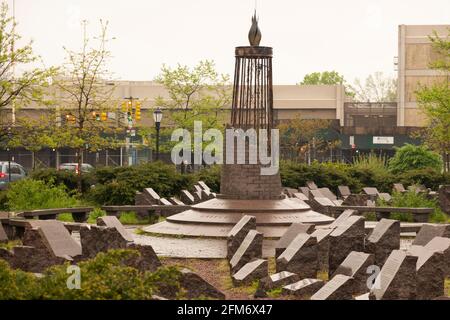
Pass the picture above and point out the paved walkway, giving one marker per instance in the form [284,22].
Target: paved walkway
[200,248]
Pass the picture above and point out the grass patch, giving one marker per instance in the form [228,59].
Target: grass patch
[370,216]
[65,217]
[402,216]
[10,244]
[274,293]
[322,275]
[131,217]
[411,199]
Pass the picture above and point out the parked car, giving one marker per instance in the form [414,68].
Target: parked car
[72,166]
[17,173]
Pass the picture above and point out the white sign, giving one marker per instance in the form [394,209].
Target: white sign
[352,140]
[383,140]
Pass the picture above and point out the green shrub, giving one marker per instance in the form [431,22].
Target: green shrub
[411,199]
[329,175]
[106,276]
[410,157]
[28,194]
[429,177]
[16,284]
[370,162]
[117,186]
[67,178]
[211,176]
[3,200]
[96,213]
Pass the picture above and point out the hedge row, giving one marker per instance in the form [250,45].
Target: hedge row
[118,185]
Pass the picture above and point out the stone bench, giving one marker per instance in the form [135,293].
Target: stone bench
[79,214]
[419,214]
[149,210]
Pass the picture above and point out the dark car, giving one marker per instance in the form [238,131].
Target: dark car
[17,172]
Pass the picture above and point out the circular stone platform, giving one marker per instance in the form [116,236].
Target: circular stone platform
[216,217]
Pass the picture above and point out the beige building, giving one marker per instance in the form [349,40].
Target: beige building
[415,53]
[309,102]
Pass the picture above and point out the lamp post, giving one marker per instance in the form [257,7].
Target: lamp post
[157,117]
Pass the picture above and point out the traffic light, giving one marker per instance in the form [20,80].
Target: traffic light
[96,116]
[104,116]
[70,118]
[137,113]
[124,106]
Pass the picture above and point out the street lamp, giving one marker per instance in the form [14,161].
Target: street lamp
[157,117]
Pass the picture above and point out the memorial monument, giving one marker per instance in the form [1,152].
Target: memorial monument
[244,189]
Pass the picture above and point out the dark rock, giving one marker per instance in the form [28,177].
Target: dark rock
[3,236]
[384,238]
[250,248]
[238,233]
[278,280]
[356,200]
[397,279]
[254,270]
[428,231]
[147,261]
[95,239]
[300,257]
[347,237]
[338,288]
[196,286]
[323,248]
[344,191]
[444,198]
[187,197]
[304,288]
[293,231]
[355,266]
[113,222]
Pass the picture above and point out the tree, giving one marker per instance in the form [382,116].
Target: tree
[302,135]
[18,88]
[326,78]
[33,135]
[198,94]
[434,102]
[83,94]
[376,88]
[411,157]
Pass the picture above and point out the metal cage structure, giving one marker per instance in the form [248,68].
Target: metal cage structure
[252,104]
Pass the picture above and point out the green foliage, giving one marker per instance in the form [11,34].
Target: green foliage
[131,217]
[211,176]
[67,178]
[3,200]
[106,276]
[434,99]
[429,177]
[329,175]
[197,94]
[116,186]
[96,213]
[410,157]
[16,284]
[28,194]
[28,85]
[411,199]
[326,78]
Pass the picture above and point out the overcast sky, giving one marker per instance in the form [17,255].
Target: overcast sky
[353,37]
